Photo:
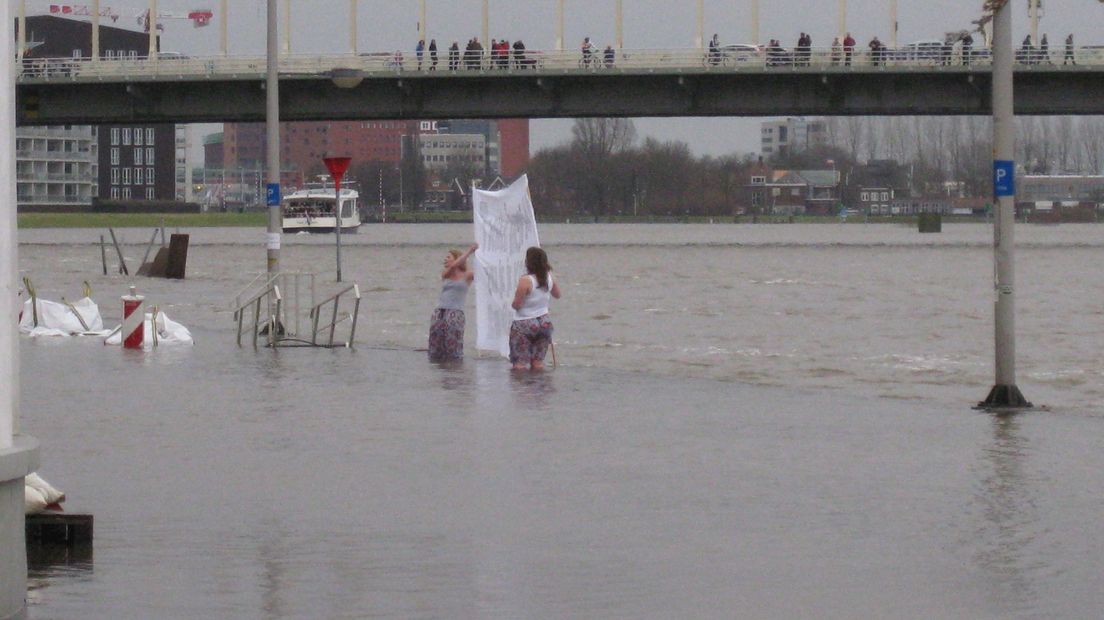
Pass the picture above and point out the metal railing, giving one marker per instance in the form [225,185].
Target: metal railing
[335,301]
[381,64]
[294,284]
[272,301]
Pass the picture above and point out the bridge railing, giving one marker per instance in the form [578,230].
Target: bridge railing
[379,64]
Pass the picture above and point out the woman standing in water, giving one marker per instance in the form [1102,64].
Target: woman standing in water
[531,331]
[446,328]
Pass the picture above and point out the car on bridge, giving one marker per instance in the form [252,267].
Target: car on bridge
[736,54]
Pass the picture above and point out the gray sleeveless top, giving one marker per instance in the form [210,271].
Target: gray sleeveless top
[453,294]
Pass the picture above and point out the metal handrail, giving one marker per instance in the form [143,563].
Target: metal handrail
[381,64]
[294,287]
[335,299]
[271,298]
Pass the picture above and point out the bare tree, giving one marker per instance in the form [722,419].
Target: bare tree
[602,137]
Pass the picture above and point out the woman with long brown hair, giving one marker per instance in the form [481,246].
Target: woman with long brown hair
[531,331]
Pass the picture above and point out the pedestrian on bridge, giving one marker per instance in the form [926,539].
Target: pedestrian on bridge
[418,51]
[433,54]
[848,49]
[454,56]
[1044,50]
[1068,58]
[837,51]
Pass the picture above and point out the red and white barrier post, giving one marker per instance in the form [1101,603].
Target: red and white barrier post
[133,319]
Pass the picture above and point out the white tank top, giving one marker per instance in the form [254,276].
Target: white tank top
[536,302]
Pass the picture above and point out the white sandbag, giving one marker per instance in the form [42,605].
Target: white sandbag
[168,332]
[49,492]
[33,501]
[58,319]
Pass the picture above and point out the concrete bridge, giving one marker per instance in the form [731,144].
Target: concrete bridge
[745,81]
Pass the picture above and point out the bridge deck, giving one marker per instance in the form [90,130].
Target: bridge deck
[544,84]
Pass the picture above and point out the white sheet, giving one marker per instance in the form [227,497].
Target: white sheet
[504,228]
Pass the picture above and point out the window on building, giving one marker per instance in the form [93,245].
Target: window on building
[137,136]
[149,136]
[865,196]
[137,157]
[126,193]
[138,176]
[114,136]
[126,176]
[885,196]
[150,193]
[126,136]
[115,177]
[114,193]
[149,154]
[149,176]
[115,156]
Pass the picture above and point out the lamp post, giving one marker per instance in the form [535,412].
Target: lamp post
[272,145]
[559,25]
[1004,394]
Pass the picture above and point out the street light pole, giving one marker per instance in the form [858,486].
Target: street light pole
[272,145]
[700,41]
[755,22]
[842,19]
[1004,394]
[893,24]
[559,25]
[353,26]
[620,26]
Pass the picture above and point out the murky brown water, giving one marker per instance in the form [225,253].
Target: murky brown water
[746,421]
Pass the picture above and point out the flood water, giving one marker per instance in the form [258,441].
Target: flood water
[754,421]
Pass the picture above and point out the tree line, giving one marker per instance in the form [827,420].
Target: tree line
[605,171]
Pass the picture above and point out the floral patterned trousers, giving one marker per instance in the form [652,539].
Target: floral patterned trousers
[529,339]
[446,335]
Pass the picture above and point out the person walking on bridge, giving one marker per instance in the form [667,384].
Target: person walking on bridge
[1068,58]
[848,49]
[433,54]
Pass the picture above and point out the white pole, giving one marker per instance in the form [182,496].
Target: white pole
[620,26]
[153,29]
[224,27]
[699,42]
[559,25]
[422,21]
[22,30]
[353,26]
[287,27]
[755,22]
[486,22]
[1004,392]
[188,195]
[842,19]
[272,146]
[1033,9]
[9,252]
[95,30]
[893,24]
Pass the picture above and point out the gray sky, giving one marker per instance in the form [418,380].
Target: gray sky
[320,26]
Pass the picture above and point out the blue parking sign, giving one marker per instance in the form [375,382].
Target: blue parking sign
[1004,177]
[273,194]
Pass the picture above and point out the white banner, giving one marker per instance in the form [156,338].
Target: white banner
[504,228]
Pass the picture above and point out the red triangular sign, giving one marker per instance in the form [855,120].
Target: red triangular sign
[337,166]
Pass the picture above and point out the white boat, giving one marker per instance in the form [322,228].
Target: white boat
[312,210]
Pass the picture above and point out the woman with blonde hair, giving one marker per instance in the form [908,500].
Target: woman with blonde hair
[446,328]
[531,331]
